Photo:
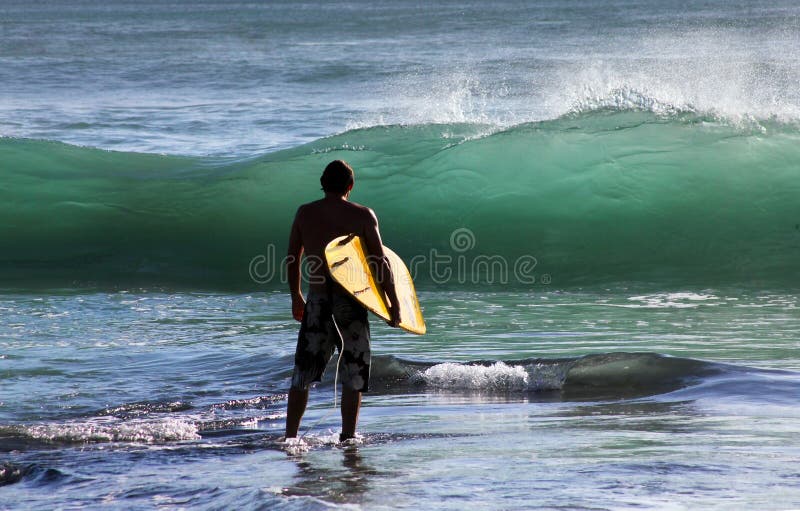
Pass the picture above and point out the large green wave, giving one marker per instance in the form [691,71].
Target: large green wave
[599,197]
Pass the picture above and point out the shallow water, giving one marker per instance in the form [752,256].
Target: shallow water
[513,400]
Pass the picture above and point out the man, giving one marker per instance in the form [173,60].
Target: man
[330,318]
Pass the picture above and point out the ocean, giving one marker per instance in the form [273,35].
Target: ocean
[598,201]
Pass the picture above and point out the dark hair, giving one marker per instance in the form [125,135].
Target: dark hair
[337,177]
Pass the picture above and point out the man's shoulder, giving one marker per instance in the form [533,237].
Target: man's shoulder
[308,206]
[313,203]
[363,210]
[311,211]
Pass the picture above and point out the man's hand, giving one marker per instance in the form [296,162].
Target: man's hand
[298,306]
[394,312]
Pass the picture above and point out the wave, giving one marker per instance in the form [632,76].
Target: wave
[605,195]
[147,429]
[615,373]
[604,376]
[32,473]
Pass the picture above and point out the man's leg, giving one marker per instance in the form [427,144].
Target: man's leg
[351,404]
[352,326]
[295,409]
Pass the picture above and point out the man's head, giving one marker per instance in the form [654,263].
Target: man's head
[337,178]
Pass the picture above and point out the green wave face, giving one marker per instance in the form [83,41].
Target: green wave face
[595,198]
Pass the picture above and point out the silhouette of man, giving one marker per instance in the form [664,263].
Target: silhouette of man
[331,318]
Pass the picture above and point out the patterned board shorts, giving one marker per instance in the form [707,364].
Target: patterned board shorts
[318,339]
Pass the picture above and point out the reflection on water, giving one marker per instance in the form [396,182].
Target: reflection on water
[338,475]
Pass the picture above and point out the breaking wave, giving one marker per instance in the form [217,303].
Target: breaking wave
[615,193]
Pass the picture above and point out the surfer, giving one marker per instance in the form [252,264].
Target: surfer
[330,317]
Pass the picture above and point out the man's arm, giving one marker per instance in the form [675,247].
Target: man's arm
[293,258]
[372,238]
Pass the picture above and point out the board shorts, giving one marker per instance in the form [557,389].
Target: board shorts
[319,338]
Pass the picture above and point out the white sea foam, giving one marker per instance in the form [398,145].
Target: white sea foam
[672,300]
[307,441]
[115,430]
[496,377]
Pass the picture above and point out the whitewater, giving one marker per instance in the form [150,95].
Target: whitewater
[597,200]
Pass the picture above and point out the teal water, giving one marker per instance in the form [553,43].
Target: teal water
[602,196]
[597,200]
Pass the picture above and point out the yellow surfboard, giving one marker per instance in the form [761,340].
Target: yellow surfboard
[347,263]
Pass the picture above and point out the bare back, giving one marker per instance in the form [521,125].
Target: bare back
[319,222]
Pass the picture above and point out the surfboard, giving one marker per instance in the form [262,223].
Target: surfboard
[347,262]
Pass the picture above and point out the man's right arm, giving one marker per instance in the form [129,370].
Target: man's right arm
[293,258]
[372,238]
